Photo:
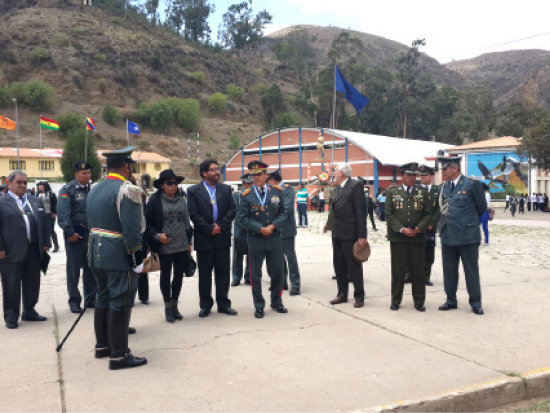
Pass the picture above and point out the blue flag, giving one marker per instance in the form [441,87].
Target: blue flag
[133,128]
[352,95]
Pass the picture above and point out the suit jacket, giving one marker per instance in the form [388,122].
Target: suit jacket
[201,212]
[13,231]
[350,211]
[466,204]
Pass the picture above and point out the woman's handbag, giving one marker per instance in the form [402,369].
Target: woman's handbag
[151,263]
[491,213]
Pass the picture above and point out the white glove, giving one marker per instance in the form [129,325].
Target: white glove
[138,269]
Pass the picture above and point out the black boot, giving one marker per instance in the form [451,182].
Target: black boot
[177,314]
[55,242]
[121,358]
[101,327]
[169,311]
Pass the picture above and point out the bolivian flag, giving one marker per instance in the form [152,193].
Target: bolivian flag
[49,124]
[6,123]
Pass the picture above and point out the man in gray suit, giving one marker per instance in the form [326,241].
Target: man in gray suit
[462,202]
[24,239]
[349,208]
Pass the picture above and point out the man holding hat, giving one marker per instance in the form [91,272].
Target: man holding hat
[240,246]
[462,203]
[262,212]
[407,216]
[115,216]
[72,219]
[426,177]
[288,234]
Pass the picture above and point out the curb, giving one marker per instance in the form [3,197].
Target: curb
[482,396]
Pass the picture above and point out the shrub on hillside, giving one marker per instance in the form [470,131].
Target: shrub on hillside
[234,92]
[60,40]
[4,96]
[234,141]
[69,122]
[260,88]
[110,114]
[100,57]
[39,55]
[287,119]
[39,95]
[102,85]
[8,55]
[189,115]
[197,77]
[79,31]
[217,102]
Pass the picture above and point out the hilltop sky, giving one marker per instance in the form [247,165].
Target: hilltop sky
[453,30]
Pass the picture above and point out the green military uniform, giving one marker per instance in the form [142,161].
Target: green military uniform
[433,202]
[72,218]
[115,217]
[255,211]
[240,245]
[289,233]
[407,210]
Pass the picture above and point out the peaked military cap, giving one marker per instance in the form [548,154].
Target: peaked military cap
[276,175]
[125,153]
[426,170]
[409,168]
[81,166]
[449,160]
[246,179]
[257,167]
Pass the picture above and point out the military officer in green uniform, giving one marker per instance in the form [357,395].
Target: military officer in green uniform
[72,218]
[240,245]
[426,178]
[262,212]
[407,216]
[115,217]
[288,234]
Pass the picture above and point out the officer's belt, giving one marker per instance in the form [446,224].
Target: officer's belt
[107,233]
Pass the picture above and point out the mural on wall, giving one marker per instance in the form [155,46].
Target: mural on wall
[503,172]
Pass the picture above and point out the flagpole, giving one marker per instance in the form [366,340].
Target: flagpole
[127,135]
[333,117]
[86,142]
[40,156]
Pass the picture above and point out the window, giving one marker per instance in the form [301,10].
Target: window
[157,166]
[47,165]
[13,164]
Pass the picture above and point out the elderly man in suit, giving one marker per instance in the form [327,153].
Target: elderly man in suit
[24,239]
[212,210]
[349,208]
[461,204]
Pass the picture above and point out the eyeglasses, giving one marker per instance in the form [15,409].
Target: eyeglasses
[170,183]
[20,182]
[216,169]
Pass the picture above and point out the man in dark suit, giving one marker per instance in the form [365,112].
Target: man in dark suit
[24,239]
[350,225]
[462,204]
[212,210]
[240,246]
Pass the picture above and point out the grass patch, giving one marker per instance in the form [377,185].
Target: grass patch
[539,407]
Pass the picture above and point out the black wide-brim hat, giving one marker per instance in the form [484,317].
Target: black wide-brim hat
[167,174]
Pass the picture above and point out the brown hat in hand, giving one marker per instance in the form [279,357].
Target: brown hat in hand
[361,254]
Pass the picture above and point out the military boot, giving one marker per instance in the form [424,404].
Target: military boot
[101,327]
[169,311]
[177,314]
[121,357]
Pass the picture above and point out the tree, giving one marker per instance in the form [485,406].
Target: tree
[536,143]
[74,151]
[283,51]
[345,49]
[151,7]
[514,119]
[240,28]
[272,103]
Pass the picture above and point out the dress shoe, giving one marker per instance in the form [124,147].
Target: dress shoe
[11,324]
[339,300]
[259,313]
[394,307]
[407,280]
[285,287]
[420,308]
[177,314]
[33,317]
[146,302]
[55,250]
[102,352]
[132,330]
[359,303]
[334,277]
[125,361]
[375,229]
[247,282]
[447,306]
[204,312]
[227,310]
[429,283]
[235,283]
[75,309]
[280,309]
[294,291]
[478,310]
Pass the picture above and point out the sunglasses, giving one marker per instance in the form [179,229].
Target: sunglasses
[170,183]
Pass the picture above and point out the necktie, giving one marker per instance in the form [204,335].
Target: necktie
[452,186]
[262,191]
[409,189]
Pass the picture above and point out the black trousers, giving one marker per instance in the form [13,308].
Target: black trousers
[21,277]
[216,259]
[371,216]
[240,250]
[178,261]
[469,255]
[143,286]
[347,268]
[407,256]
[429,254]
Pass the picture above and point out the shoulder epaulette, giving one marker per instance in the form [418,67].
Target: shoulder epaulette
[277,187]
[246,192]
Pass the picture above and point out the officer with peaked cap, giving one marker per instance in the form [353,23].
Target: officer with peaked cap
[407,216]
[115,217]
[240,245]
[462,202]
[426,178]
[72,219]
[262,212]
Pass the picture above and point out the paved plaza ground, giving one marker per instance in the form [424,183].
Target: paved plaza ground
[317,357]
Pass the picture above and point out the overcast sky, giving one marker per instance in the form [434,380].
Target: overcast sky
[453,30]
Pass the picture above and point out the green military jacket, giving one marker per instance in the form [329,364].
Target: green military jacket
[71,209]
[288,228]
[253,216]
[115,217]
[433,201]
[407,211]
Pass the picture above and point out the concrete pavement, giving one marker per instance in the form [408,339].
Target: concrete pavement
[317,357]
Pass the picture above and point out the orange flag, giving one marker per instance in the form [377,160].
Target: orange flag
[6,123]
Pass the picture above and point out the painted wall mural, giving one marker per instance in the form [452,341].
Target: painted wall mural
[503,172]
